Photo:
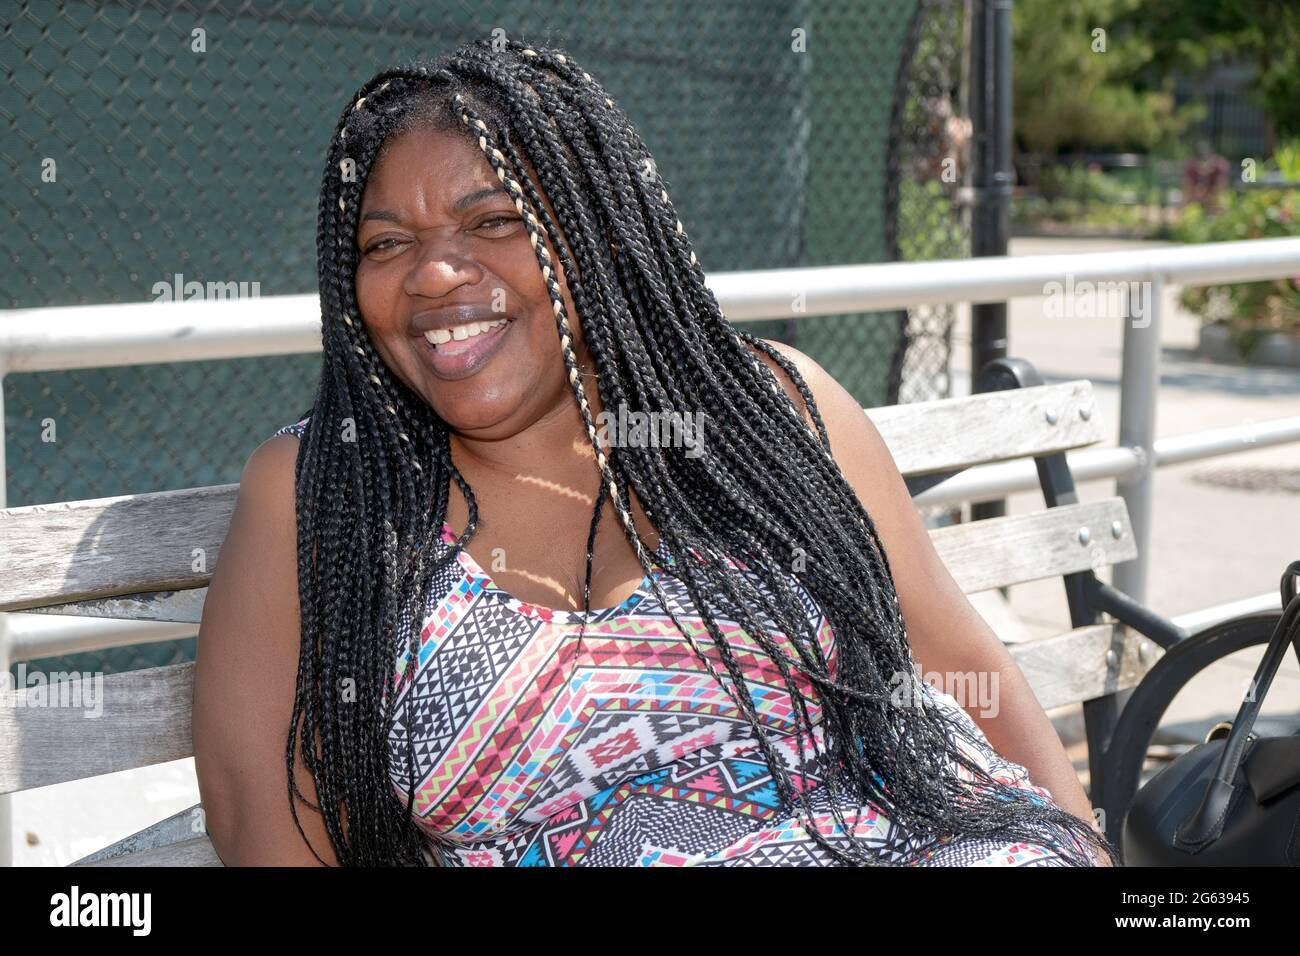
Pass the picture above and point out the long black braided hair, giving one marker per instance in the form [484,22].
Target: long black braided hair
[375,471]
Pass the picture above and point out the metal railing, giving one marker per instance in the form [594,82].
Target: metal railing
[139,333]
[100,336]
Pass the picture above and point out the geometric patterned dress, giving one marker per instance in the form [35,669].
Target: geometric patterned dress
[532,749]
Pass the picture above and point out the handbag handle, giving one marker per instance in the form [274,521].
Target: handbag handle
[1206,824]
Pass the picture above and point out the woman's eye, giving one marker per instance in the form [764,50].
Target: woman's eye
[378,246]
[498,222]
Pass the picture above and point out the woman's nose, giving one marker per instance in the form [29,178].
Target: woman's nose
[440,267]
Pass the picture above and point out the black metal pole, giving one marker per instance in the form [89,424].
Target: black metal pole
[992,179]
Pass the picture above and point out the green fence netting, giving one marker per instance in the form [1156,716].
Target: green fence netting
[794,133]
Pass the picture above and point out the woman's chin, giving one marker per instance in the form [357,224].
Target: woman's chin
[479,415]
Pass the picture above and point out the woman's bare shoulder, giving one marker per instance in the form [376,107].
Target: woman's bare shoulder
[273,455]
[266,486]
[855,442]
[837,407]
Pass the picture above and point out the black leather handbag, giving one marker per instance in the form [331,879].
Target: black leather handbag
[1235,799]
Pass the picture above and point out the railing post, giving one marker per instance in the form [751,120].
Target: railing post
[1138,395]
[1138,392]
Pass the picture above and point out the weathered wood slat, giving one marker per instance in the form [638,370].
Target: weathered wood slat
[78,550]
[955,433]
[1084,663]
[1013,549]
[180,827]
[182,607]
[197,851]
[143,719]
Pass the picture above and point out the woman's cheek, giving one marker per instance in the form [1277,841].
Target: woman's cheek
[369,291]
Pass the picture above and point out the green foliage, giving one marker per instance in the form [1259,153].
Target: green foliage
[1250,310]
[1192,35]
[1077,196]
[1068,95]
[1286,159]
[1082,184]
[1100,216]
[925,217]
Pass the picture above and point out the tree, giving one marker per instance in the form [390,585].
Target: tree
[1080,78]
[1194,35]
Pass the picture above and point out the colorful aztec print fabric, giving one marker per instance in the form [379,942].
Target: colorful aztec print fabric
[531,749]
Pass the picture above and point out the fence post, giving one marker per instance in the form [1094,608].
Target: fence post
[992,177]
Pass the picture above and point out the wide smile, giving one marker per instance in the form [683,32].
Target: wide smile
[464,349]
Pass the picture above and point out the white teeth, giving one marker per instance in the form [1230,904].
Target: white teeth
[461,332]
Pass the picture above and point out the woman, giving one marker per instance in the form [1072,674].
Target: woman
[562,568]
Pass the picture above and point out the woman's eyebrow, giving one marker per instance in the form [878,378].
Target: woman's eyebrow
[464,202]
[478,195]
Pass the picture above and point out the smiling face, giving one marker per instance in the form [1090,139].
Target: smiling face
[451,291]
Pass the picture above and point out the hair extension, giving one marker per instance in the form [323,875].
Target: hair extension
[375,471]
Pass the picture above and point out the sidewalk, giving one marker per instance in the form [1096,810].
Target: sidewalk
[1211,542]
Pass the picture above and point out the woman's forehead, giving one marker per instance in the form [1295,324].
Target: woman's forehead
[425,169]
[430,170]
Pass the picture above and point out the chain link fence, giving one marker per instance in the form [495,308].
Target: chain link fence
[157,143]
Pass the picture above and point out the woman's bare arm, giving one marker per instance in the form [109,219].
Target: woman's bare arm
[245,675]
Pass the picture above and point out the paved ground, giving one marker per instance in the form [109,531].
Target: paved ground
[1210,544]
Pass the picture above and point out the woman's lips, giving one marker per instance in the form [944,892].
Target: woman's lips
[460,359]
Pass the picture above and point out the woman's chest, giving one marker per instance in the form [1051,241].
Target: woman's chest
[534,545]
[507,717]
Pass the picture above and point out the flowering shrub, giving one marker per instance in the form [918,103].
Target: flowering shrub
[1250,310]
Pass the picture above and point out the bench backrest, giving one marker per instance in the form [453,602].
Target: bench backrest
[150,556]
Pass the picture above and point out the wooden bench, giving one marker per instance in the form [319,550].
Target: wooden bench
[133,557]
